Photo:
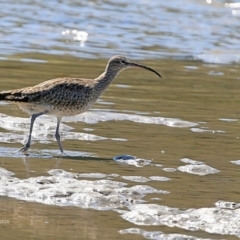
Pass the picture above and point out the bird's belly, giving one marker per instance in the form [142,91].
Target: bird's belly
[31,108]
[55,110]
[67,111]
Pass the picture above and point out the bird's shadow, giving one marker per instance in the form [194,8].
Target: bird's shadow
[83,158]
[46,154]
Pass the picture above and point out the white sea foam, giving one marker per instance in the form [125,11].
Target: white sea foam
[44,130]
[104,116]
[216,220]
[63,189]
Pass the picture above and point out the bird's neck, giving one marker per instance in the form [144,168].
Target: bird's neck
[103,81]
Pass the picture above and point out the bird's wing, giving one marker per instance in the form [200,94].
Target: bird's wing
[54,87]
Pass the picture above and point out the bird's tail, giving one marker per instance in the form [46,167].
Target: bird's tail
[15,96]
[3,96]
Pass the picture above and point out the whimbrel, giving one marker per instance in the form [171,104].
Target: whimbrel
[66,96]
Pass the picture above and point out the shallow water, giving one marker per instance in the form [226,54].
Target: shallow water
[154,158]
[187,29]
[183,130]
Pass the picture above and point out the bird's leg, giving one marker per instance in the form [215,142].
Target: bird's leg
[27,145]
[57,135]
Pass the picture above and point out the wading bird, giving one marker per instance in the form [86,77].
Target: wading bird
[66,96]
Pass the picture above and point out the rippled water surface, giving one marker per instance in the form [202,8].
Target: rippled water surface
[154,158]
[192,29]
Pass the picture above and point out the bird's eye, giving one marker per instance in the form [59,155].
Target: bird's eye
[123,61]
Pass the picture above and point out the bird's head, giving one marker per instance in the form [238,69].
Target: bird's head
[119,63]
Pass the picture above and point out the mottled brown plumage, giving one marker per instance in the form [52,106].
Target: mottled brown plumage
[65,96]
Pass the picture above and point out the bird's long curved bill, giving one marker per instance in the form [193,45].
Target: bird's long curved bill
[131,64]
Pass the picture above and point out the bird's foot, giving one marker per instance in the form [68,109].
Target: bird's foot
[24,149]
